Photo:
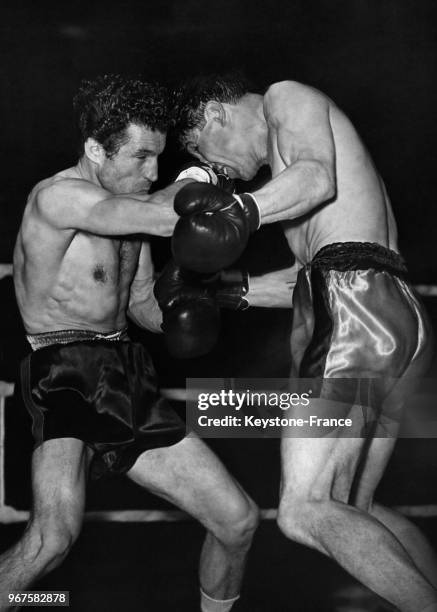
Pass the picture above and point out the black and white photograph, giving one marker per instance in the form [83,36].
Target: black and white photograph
[218,283]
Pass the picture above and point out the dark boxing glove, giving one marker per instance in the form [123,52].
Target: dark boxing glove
[204,173]
[191,317]
[229,288]
[214,227]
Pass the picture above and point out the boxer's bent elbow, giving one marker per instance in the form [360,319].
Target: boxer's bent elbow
[322,180]
[147,318]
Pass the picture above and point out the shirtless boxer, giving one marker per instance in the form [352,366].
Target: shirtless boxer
[82,263]
[355,315]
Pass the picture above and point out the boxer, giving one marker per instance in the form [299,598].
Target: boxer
[355,314]
[82,265]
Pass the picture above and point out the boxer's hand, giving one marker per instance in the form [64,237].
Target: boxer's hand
[191,318]
[214,227]
[204,173]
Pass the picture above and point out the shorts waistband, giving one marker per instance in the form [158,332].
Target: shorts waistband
[66,336]
[344,256]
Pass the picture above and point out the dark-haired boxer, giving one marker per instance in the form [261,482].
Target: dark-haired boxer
[355,315]
[82,264]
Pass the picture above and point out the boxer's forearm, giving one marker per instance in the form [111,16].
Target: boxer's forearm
[125,215]
[164,196]
[272,290]
[295,191]
[146,314]
[139,213]
[83,206]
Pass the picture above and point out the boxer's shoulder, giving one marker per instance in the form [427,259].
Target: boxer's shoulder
[284,87]
[64,185]
[62,190]
[289,102]
[292,92]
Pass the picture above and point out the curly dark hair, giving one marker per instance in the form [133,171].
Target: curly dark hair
[190,98]
[106,106]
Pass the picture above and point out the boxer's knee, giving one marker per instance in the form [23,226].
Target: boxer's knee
[46,544]
[300,518]
[242,519]
[292,518]
[50,535]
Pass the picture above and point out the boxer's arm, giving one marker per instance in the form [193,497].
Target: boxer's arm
[143,308]
[274,289]
[81,205]
[301,139]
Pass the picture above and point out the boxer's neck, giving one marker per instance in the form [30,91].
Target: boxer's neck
[86,169]
[252,107]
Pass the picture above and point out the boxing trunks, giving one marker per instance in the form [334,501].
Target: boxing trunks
[356,317]
[99,388]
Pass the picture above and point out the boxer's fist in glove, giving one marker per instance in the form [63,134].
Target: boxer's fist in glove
[229,288]
[176,286]
[204,173]
[191,329]
[214,227]
[190,316]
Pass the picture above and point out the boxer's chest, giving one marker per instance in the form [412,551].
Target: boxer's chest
[110,261]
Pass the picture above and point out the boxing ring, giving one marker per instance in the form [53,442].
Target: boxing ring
[10,514]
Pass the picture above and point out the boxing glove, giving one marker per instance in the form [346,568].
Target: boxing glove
[229,288]
[191,318]
[214,227]
[204,173]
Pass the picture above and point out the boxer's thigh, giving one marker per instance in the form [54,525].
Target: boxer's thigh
[192,477]
[398,404]
[323,467]
[59,469]
[373,466]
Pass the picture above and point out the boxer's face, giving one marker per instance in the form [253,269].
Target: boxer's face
[225,146]
[134,167]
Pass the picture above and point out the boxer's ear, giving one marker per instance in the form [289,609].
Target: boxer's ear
[215,111]
[94,151]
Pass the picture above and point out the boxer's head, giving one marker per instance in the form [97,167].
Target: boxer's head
[123,124]
[214,121]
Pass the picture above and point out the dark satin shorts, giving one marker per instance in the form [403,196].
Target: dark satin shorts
[102,392]
[356,317]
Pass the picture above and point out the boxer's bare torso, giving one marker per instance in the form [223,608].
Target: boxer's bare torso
[69,279]
[360,209]
[82,258]
[324,186]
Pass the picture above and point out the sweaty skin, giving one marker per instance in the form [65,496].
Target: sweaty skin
[324,189]
[358,209]
[324,185]
[80,260]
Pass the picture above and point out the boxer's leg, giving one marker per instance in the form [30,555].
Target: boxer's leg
[317,479]
[190,475]
[376,460]
[58,481]
[406,532]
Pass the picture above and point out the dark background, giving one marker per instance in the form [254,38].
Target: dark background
[375,58]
